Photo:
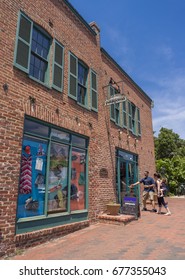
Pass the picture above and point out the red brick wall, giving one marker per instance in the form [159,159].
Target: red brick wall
[15,103]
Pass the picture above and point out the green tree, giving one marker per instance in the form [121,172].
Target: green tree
[174,170]
[170,157]
[168,144]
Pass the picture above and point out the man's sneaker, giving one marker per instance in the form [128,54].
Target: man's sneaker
[144,209]
[154,210]
[168,214]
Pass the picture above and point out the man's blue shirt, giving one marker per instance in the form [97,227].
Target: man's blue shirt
[148,181]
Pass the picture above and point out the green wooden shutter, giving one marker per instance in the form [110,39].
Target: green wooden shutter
[124,114]
[117,113]
[129,116]
[94,93]
[58,66]
[112,106]
[138,123]
[23,43]
[73,81]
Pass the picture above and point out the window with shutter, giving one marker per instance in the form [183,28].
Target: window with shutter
[32,50]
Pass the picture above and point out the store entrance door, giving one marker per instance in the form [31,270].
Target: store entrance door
[126,174]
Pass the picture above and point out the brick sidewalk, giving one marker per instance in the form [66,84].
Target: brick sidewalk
[153,237]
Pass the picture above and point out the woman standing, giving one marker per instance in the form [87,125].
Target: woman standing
[161,186]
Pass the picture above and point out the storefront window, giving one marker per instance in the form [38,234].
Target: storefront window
[45,179]
[58,183]
[32,178]
[78,179]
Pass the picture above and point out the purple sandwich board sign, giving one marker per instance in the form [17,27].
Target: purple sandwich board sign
[131,206]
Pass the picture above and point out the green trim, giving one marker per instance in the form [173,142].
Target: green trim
[50,221]
[87,178]
[69,176]
[75,12]
[121,69]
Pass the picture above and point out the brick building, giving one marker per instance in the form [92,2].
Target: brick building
[57,136]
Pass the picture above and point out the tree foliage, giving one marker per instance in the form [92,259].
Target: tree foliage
[170,157]
[168,144]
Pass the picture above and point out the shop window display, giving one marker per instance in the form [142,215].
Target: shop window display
[57,194]
[46,182]
[78,179]
[32,178]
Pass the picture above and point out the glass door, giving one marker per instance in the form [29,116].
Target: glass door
[126,173]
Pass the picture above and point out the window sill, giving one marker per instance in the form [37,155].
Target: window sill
[39,82]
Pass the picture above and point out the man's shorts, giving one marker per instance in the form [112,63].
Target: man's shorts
[149,194]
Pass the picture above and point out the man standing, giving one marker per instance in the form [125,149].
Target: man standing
[148,191]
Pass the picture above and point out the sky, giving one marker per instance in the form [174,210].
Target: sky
[147,39]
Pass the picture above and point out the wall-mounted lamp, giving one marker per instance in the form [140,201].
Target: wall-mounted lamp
[120,132]
[128,136]
[57,111]
[5,88]
[90,125]
[77,120]
[112,82]
[50,23]
[32,102]
[135,141]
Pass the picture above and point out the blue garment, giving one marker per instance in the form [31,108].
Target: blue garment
[148,181]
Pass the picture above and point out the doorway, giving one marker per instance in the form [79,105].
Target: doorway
[126,174]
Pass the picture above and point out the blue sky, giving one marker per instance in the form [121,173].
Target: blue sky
[147,39]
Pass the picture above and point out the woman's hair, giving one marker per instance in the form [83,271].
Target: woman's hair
[157,175]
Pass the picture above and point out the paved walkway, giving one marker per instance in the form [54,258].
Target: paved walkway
[152,237]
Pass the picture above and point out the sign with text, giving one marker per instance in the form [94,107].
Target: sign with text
[131,206]
[115,99]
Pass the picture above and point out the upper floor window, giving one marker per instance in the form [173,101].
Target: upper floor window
[82,84]
[134,119]
[125,114]
[33,53]
[39,55]
[78,83]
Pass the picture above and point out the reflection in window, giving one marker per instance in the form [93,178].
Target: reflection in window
[36,128]
[77,141]
[59,135]
[57,190]
[82,80]
[39,53]
[78,179]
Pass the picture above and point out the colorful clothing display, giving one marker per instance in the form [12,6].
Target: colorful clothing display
[26,175]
